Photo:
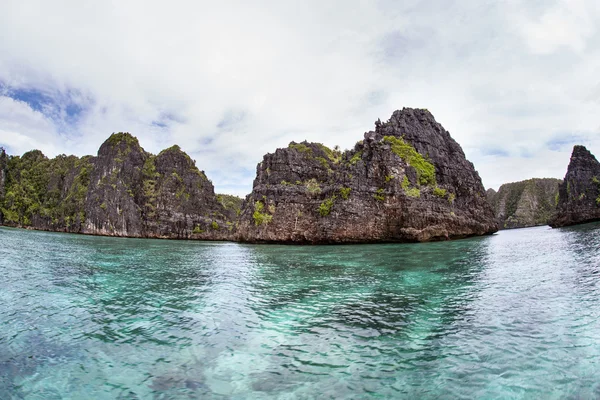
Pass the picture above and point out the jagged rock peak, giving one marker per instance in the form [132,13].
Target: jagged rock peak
[120,142]
[177,158]
[582,157]
[579,194]
[122,137]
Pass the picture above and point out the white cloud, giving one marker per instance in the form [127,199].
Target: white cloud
[23,129]
[229,81]
[565,24]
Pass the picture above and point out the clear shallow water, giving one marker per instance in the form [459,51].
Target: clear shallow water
[515,315]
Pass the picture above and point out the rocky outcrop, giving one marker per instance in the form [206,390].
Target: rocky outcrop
[406,181]
[3,166]
[526,203]
[579,194]
[124,191]
[45,194]
[232,205]
[180,201]
[114,199]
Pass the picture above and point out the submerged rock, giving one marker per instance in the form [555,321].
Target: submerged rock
[526,203]
[579,194]
[407,181]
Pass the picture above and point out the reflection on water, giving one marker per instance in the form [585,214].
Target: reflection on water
[513,315]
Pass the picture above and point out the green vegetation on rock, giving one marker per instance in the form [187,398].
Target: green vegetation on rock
[405,183]
[410,192]
[323,162]
[230,202]
[182,192]
[345,192]
[123,137]
[326,206]
[312,186]
[413,192]
[379,195]
[259,216]
[356,158]
[54,191]
[334,155]
[301,147]
[439,192]
[597,182]
[425,169]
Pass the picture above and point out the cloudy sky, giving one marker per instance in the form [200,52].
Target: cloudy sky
[516,82]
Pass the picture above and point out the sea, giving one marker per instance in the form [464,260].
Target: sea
[515,315]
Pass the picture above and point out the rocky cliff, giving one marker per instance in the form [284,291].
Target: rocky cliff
[526,203]
[124,191]
[408,180]
[579,194]
[43,193]
[3,166]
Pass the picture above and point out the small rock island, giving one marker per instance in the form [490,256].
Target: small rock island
[579,194]
[407,181]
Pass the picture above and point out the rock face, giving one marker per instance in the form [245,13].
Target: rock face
[124,191]
[579,194]
[114,199]
[526,203]
[182,202]
[3,166]
[407,181]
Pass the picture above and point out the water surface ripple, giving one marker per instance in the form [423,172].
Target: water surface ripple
[515,315]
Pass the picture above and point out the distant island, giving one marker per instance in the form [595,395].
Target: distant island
[526,203]
[406,181]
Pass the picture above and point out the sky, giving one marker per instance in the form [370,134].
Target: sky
[515,82]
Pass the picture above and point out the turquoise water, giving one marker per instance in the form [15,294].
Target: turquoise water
[514,315]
